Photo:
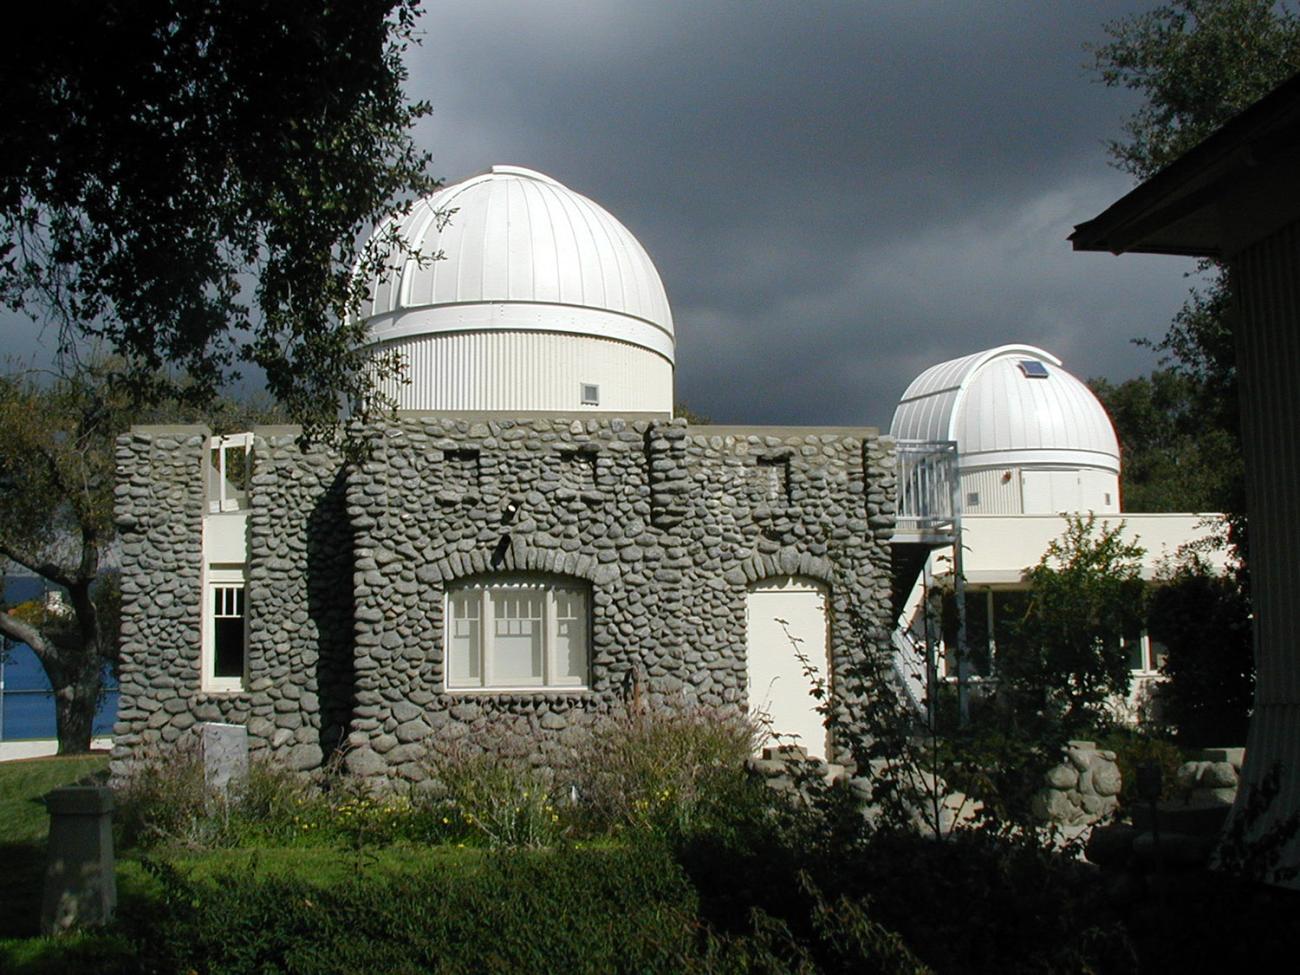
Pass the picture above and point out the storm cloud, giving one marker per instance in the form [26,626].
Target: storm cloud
[836,194]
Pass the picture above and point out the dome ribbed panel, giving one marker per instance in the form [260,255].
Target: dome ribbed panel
[925,410]
[1000,416]
[1006,411]
[511,237]
[515,239]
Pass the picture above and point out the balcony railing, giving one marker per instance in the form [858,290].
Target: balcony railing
[927,488]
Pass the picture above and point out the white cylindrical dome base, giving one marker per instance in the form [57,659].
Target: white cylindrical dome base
[529,371]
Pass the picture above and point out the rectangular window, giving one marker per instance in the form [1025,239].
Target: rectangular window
[225,628]
[229,463]
[1145,655]
[517,633]
[590,394]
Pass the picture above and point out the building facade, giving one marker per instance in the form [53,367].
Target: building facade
[485,576]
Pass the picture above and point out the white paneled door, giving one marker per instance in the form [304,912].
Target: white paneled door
[787,627]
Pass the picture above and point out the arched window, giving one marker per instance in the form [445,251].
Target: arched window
[517,632]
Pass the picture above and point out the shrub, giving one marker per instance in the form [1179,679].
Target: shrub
[497,795]
[164,800]
[1067,657]
[1134,748]
[1203,619]
[166,803]
[566,910]
[671,773]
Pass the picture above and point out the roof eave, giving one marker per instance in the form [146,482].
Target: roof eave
[1175,211]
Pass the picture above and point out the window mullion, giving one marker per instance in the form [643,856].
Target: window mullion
[486,629]
[549,636]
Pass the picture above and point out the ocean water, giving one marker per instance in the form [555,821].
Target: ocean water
[26,701]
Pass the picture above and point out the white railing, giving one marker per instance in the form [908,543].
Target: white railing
[927,486]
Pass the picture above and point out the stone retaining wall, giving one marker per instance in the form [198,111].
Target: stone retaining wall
[1083,789]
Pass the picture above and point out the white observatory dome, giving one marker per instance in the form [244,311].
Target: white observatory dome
[525,296]
[1031,438]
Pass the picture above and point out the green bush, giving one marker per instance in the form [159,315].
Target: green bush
[563,911]
[1134,748]
[1204,620]
[972,902]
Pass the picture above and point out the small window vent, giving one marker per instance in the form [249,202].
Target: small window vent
[1033,369]
[590,394]
[972,498]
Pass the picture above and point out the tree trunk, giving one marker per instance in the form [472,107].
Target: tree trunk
[74,713]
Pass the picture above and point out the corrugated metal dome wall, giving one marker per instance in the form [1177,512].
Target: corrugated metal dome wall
[514,253]
[1000,416]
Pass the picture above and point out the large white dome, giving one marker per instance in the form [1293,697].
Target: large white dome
[523,295]
[1014,410]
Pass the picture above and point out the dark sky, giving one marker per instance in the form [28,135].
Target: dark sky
[836,194]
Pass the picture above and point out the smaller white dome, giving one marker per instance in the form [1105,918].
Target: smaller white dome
[1009,406]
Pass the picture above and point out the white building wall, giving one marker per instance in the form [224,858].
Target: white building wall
[991,492]
[526,371]
[1048,492]
[998,549]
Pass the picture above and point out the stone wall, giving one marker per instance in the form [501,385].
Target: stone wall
[159,511]
[348,567]
[1083,789]
[1212,777]
[297,698]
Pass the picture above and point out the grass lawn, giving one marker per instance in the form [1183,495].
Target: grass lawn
[24,826]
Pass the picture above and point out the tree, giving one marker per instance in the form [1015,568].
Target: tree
[57,476]
[1173,459]
[1068,657]
[56,500]
[1197,63]
[189,182]
[1203,620]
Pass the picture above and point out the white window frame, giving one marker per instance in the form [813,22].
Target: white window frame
[220,577]
[224,494]
[487,588]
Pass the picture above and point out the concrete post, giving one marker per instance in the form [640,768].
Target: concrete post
[80,884]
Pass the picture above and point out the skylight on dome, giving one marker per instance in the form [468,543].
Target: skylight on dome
[1033,369]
